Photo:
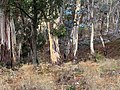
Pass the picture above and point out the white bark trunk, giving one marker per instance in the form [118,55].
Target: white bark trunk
[92,31]
[92,40]
[107,22]
[19,50]
[2,26]
[13,38]
[75,40]
[8,29]
[103,43]
[75,30]
[8,37]
[54,46]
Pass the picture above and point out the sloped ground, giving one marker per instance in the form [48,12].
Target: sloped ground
[112,50]
[83,53]
[104,75]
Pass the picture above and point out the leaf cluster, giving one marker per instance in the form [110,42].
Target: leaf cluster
[60,32]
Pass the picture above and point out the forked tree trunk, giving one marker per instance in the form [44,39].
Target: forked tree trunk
[75,31]
[71,39]
[54,46]
[8,38]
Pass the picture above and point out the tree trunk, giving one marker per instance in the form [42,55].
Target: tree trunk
[13,41]
[75,31]
[8,38]
[54,46]
[101,34]
[117,23]
[108,16]
[92,31]
[34,34]
[34,46]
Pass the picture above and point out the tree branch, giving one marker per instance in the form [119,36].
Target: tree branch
[15,4]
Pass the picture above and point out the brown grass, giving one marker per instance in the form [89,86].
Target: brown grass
[104,75]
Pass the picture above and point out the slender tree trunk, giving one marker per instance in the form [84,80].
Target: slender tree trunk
[92,31]
[108,17]
[101,35]
[117,22]
[107,22]
[75,31]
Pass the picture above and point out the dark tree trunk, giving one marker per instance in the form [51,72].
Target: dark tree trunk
[34,34]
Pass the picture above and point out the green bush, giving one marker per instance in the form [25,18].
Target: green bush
[60,32]
[71,87]
[99,57]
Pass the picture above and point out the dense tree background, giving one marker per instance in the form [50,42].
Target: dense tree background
[27,26]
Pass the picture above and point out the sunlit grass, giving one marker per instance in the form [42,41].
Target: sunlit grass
[104,75]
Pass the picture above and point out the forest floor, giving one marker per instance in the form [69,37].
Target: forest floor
[88,75]
[85,75]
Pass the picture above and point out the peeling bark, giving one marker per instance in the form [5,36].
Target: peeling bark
[8,38]
[54,46]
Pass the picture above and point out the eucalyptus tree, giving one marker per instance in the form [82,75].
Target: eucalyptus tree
[36,11]
[74,12]
[7,33]
[92,30]
[69,24]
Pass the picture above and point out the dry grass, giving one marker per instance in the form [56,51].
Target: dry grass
[104,75]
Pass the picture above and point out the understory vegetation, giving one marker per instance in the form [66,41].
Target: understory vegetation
[104,75]
[59,44]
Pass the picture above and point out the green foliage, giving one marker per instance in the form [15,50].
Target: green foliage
[71,88]
[45,9]
[60,32]
[99,57]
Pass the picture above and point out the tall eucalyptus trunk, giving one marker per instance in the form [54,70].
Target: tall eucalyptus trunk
[108,17]
[54,45]
[13,41]
[8,36]
[75,31]
[92,30]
